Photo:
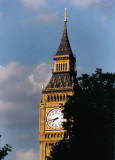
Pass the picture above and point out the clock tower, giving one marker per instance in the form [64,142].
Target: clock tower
[61,84]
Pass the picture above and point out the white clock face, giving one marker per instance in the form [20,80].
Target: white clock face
[55,118]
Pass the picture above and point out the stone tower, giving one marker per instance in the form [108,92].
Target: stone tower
[61,84]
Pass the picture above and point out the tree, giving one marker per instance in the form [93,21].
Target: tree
[90,120]
[4,151]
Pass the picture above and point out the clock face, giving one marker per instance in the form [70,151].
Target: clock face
[55,118]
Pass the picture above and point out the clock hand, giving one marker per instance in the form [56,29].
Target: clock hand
[50,120]
[53,119]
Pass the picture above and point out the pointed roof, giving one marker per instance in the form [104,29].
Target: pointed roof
[63,80]
[64,47]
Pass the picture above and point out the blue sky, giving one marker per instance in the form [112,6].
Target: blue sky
[29,32]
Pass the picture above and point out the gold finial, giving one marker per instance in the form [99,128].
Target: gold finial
[65,15]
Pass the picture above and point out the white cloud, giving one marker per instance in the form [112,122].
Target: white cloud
[48,18]
[78,69]
[42,5]
[30,154]
[80,3]
[20,89]
[86,3]
[43,8]
[33,4]
[45,15]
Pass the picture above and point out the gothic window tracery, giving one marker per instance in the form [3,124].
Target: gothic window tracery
[65,79]
[59,79]
[66,84]
[61,85]
[54,79]
[57,97]
[55,85]
[49,85]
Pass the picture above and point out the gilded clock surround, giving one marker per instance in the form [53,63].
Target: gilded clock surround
[55,118]
[61,85]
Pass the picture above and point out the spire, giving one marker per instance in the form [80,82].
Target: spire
[64,47]
[65,15]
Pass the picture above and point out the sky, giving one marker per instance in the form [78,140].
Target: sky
[30,30]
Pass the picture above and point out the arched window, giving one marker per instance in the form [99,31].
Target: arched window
[54,79]
[61,85]
[50,144]
[58,135]
[66,84]
[57,97]
[54,98]
[59,66]
[65,79]
[48,98]
[63,66]
[60,97]
[63,97]
[49,85]
[48,135]
[66,66]
[56,67]
[61,134]
[51,98]
[59,79]
[55,85]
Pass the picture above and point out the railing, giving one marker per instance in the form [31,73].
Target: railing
[63,70]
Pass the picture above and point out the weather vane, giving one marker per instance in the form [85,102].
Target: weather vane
[65,15]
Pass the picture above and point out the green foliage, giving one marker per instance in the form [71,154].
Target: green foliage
[89,127]
[4,151]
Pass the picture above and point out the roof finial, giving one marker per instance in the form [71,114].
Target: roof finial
[65,15]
